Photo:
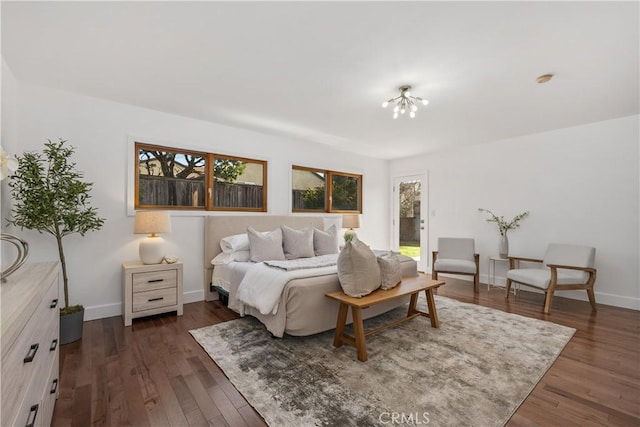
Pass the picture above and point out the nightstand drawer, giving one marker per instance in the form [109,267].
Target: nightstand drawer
[152,280]
[154,299]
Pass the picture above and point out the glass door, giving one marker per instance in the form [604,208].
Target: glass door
[409,218]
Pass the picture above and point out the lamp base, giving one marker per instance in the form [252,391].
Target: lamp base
[152,250]
[350,235]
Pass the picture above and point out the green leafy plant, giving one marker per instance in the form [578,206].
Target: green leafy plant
[503,225]
[50,197]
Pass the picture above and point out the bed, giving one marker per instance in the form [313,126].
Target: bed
[303,308]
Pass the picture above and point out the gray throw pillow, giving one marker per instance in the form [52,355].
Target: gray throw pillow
[265,246]
[358,269]
[390,271]
[297,243]
[325,242]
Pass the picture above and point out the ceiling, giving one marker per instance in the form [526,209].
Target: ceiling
[319,71]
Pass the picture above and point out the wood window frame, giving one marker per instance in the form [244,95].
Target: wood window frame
[328,203]
[208,179]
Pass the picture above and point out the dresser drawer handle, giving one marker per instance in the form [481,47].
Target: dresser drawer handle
[156,299]
[54,303]
[54,344]
[34,411]
[155,280]
[32,353]
[54,386]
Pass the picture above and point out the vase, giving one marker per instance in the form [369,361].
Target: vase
[23,253]
[503,249]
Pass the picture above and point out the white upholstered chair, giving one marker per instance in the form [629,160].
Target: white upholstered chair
[564,267]
[456,256]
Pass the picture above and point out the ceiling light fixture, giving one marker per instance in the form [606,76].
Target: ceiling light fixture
[405,102]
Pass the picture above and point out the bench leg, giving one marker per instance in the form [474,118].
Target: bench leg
[358,331]
[431,304]
[413,304]
[340,324]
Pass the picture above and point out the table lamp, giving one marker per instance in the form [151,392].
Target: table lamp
[350,221]
[152,246]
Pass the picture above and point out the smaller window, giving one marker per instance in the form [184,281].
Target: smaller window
[238,184]
[309,190]
[346,192]
[315,190]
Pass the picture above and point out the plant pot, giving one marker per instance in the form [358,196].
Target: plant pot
[71,327]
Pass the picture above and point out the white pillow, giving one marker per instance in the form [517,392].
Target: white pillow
[265,246]
[390,271]
[297,243]
[325,242]
[237,242]
[238,256]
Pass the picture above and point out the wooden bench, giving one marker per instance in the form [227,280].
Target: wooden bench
[409,286]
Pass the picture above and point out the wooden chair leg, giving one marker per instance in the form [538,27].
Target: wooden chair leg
[592,299]
[434,274]
[508,289]
[547,300]
[476,282]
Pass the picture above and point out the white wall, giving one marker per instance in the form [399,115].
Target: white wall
[580,185]
[9,142]
[100,131]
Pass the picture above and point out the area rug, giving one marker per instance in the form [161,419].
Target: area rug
[475,370]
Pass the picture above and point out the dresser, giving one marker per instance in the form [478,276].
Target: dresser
[151,289]
[30,333]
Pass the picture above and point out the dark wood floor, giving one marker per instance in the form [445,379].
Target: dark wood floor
[155,374]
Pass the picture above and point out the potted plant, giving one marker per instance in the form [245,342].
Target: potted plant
[51,197]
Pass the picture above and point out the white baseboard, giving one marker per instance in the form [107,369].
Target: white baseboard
[110,310]
[601,297]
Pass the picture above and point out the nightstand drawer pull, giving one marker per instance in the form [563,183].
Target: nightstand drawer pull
[54,386]
[54,303]
[54,344]
[34,411]
[155,280]
[32,353]
[155,299]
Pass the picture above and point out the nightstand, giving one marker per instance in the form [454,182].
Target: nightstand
[151,289]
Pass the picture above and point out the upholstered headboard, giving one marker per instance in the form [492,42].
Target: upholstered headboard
[217,227]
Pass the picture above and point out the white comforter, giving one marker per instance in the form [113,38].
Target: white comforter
[262,286]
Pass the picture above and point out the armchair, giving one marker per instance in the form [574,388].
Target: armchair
[456,256]
[564,267]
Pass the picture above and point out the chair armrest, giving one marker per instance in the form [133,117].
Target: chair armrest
[572,267]
[519,258]
[514,261]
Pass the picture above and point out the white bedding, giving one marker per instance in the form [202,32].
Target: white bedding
[262,285]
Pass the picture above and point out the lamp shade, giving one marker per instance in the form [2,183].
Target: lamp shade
[151,222]
[351,221]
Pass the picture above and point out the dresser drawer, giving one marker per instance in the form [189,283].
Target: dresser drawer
[152,280]
[33,345]
[49,394]
[154,299]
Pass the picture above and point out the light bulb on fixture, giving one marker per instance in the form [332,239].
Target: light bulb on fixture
[405,102]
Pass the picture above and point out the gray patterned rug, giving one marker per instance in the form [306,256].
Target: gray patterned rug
[474,370]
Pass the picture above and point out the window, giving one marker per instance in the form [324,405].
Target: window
[170,178]
[315,190]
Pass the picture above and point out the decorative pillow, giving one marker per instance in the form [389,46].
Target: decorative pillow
[265,246]
[358,269]
[297,243]
[239,256]
[237,242]
[390,271]
[325,242]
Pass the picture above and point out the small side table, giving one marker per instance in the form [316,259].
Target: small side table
[491,276]
[151,289]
